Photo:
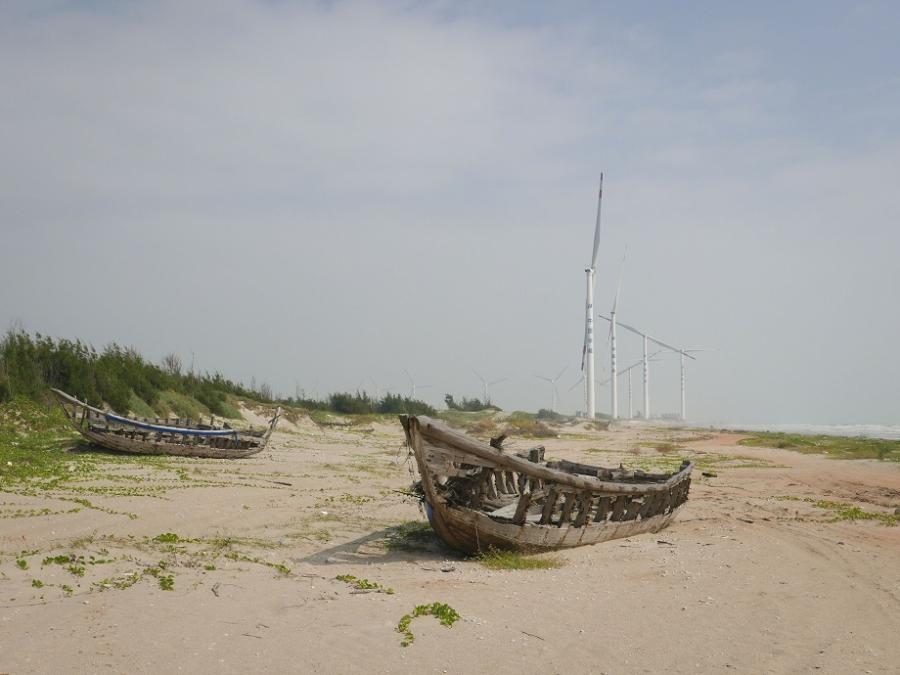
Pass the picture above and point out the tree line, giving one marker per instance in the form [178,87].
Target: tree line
[123,379]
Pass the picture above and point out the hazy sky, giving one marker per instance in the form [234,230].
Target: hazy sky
[323,193]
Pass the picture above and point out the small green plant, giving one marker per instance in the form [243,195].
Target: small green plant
[441,611]
[364,584]
[209,568]
[37,583]
[22,564]
[77,570]
[167,538]
[58,560]
[68,590]
[511,560]
[167,583]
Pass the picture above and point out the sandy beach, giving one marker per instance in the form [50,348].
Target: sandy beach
[184,565]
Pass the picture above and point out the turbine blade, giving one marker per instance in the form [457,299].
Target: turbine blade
[597,226]
[619,284]
[651,338]
[502,379]
[560,373]
[580,380]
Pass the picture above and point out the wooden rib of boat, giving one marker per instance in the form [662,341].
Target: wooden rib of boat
[146,436]
[479,497]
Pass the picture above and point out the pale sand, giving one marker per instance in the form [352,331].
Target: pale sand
[740,583]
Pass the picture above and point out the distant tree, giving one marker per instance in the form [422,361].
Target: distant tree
[171,363]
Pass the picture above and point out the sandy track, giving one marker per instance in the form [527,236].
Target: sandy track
[744,581]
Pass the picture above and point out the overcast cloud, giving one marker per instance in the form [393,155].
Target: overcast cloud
[323,194]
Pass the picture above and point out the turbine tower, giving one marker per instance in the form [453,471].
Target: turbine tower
[413,387]
[587,352]
[485,385]
[614,385]
[555,390]
[627,372]
[685,353]
[646,360]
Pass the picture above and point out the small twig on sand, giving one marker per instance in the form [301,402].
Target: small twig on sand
[258,637]
[532,635]
[215,589]
[408,494]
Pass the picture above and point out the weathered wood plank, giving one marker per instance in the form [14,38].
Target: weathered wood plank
[567,509]
[618,508]
[584,508]
[549,505]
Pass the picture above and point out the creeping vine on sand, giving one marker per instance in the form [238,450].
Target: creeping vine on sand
[441,611]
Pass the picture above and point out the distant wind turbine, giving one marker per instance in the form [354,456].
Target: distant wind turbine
[413,387]
[627,371]
[614,382]
[377,388]
[685,353]
[485,385]
[587,352]
[646,360]
[555,390]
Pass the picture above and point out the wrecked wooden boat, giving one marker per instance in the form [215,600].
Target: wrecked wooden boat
[147,436]
[478,496]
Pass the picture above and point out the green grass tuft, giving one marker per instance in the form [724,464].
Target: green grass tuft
[167,538]
[512,560]
[413,535]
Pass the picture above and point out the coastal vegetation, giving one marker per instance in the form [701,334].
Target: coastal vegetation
[836,447]
[512,560]
[123,379]
[443,612]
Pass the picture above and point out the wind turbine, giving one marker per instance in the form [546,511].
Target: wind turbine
[646,360]
[413,386]
[614,382]
[553,381]
[687,353]
[485,385]
[587,352]
[627,371]
[377,388]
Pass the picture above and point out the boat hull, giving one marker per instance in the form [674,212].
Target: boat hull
[124,444]
[479,498]
[151,437]
[474,532]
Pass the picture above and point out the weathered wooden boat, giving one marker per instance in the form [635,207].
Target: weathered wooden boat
[163,437]
[478,496]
